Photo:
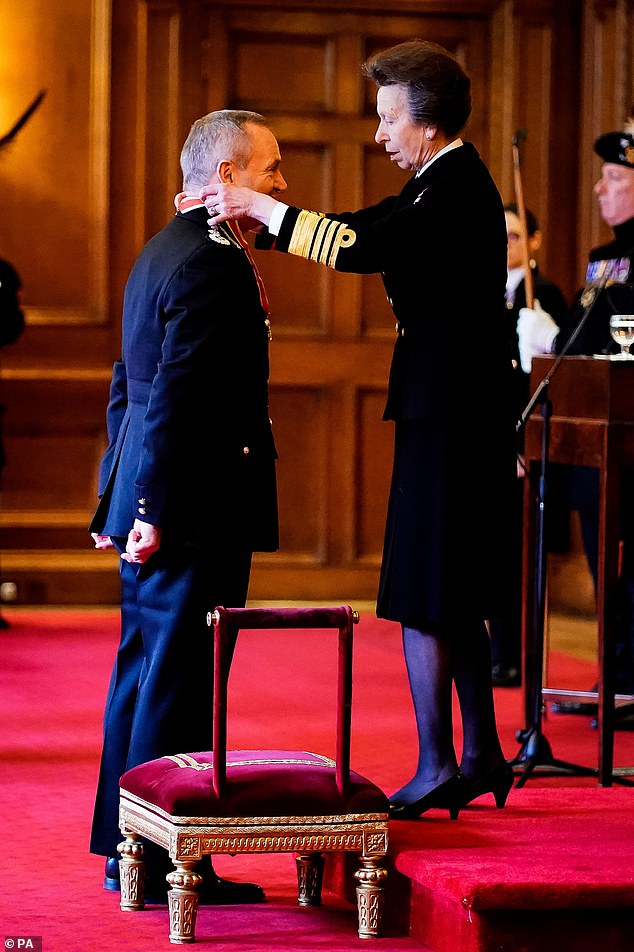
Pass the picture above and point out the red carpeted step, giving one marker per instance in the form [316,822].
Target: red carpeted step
[555,860]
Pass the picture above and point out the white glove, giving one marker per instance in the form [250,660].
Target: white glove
[536,331]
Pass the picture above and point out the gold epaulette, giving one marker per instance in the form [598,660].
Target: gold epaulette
[319,238]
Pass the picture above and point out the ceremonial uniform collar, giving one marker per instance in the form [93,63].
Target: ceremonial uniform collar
[448,148]
[623,243]
[226,233]
[624,233]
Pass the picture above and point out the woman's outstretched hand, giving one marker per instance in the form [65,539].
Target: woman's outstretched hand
[235,201]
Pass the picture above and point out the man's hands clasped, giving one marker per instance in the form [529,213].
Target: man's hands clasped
[143,541]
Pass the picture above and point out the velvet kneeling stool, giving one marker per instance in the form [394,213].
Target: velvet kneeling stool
[256,801]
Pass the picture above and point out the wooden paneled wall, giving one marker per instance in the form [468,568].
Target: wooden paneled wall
[92,176]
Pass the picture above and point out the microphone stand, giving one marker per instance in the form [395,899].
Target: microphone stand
[535,750]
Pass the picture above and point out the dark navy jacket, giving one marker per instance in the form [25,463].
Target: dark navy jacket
[190,442]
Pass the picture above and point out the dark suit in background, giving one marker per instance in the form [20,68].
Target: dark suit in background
[506,630]
[11,326]
[11,316]
[11,319]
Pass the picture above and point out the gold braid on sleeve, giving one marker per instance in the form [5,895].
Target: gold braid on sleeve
[319,238]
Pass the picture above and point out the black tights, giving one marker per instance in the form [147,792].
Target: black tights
[433,663]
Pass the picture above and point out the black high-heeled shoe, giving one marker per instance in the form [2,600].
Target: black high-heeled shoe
[497,781]
[446,796]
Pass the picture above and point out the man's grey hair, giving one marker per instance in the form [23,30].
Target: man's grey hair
[216,136]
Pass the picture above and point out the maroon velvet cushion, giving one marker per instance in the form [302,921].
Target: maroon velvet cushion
[259,783]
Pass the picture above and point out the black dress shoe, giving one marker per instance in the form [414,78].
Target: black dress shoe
[503,677]
[216,891]
[213,891]
[111,874]
[155,884]
[446,796]
[497,781]
[591,708]
[585,708]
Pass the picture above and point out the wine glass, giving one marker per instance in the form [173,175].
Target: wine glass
[622,331]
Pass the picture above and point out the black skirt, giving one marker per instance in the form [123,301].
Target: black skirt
[450,532]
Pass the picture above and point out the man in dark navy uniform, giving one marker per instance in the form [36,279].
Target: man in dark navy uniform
[187,485]
[612,266]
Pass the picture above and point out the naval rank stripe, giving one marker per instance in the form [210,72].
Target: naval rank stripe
[319,238]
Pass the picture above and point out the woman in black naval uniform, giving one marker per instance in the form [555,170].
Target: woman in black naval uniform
[441,248]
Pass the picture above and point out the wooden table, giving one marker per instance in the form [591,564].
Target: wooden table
[592,424]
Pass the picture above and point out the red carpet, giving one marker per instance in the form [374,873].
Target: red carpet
[560,841]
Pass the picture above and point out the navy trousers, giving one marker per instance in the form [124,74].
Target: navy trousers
[161,690]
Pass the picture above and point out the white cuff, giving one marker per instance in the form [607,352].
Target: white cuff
[277,217]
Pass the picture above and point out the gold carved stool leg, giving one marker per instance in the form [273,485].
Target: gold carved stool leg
[131,873]
[182,900]
[310,872]
[370,895]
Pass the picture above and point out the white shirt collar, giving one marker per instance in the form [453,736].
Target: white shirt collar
[452,145]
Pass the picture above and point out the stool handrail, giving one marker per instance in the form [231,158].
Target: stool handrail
[227,622]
